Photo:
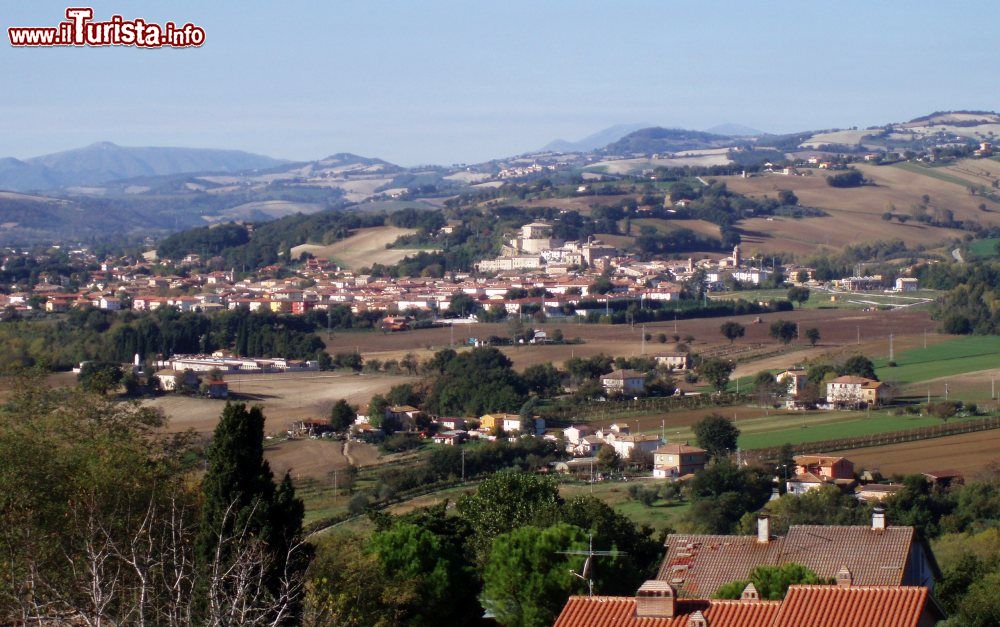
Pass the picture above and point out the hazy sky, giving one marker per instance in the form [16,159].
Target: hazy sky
[444,82]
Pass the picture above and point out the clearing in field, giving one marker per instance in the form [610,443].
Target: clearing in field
[363,248]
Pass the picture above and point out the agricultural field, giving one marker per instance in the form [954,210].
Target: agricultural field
[285,398]
[701,227]
[850,137]
[661,515]
[854,210]
[967,453]
[954,357]
[363,248]
[834,299]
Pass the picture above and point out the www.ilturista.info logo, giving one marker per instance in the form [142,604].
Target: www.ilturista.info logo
[79,29]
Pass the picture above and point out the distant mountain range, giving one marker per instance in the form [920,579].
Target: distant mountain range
[659,140]
[733,130]
[594,141]
[103,162]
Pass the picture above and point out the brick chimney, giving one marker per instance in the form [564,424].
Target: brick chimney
[844,577]
[878,519]
[763,529]
[655,599]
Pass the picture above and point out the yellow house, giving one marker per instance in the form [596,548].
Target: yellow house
[491,421]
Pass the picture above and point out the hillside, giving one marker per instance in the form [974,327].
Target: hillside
[103,162]
[658,140]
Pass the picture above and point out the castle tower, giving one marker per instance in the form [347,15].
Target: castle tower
[736,256]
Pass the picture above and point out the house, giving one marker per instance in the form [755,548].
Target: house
[851,391]
[451,423]
[404,415]
[676,460]
[450,438]
[876,555]
[624,382]
[217,388]
[625,444]
[907,284]
[657,604]
[493,422]
[588,445]
[574,433]
[874,492]
[171,379]
[944,478]
[795,380]
[674,361]
[828,467]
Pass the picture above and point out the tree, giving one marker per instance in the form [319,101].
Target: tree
[717,435]
[100,377]
[504,501]
[529,577]
[342,415]
[545,380]
[787,197]
[980,607]
[376,410]
[859,366]
[721,495]
[731,330]
[239,494]
[771,582]
[461,304]
[436,564]
[944,409]
[716,372]
[784,330]
[798,294]
[812,334]
[608,458]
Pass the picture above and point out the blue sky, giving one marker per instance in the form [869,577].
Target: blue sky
[444,82]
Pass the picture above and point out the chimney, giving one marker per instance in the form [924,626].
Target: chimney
[750,593]
[763,529]
[655,599]
[878,519]
[844,577]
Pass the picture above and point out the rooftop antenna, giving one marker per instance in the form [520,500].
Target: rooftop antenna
[586,573]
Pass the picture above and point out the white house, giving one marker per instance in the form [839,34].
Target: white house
[624,381]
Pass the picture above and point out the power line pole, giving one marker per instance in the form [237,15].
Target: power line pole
[891,355]
[463,465]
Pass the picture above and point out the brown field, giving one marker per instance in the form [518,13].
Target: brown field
[702,227]
[973,387]
[285,398]
[967,453]
[855,214]
[582,204]
[317,459]
[838,328]
[363,248]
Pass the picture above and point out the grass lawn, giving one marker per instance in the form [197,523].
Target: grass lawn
[965,354]
[615,493]
[985,248]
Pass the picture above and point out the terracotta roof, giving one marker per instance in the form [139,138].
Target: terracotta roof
[678,449]
[837,606]
[697,565]
[597,611]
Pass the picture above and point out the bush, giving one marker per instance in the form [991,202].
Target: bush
[358,504]
[850,178]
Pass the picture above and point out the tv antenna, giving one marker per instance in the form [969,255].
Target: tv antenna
[586,573]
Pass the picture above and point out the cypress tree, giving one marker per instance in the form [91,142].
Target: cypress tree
[239,477]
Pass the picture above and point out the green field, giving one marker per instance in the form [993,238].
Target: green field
[985,248]
[966,354]
[821,300]
[933,172]
[615,493]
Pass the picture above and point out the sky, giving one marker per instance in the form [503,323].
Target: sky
[466,81]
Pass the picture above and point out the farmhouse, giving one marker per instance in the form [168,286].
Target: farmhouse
[625,444]
[624,381]
[674,361]
[676,460]
[851,391]
[813,471]
[875,555]
[794,380]
[493,422]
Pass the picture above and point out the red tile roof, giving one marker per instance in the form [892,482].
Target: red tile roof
[597,611]
[697,565]
[836,606]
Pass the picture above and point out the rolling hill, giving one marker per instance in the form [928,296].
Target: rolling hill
[104,162]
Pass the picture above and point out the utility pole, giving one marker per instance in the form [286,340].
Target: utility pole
[891,356]
[463,465]
[643,339]
[663,430]
[925,338]
[945,391]
[859,336]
